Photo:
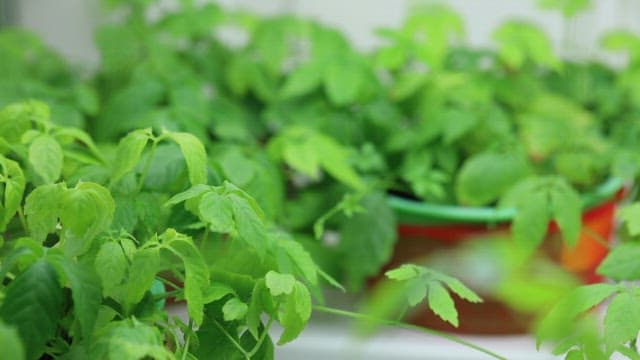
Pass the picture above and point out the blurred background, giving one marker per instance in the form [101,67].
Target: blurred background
[67,24]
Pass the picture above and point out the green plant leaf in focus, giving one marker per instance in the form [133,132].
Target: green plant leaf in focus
[45,156]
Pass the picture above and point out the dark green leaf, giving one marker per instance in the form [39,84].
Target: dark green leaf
[86,294]
[33,304]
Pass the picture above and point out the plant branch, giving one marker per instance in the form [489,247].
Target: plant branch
[230,338]
[449,337]
[263,336]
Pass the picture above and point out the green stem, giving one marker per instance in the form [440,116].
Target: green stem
[449,337]
[166,295]
[169,282]
[597,237]
[233,341]
[263,336]
[185,350]
[147,165]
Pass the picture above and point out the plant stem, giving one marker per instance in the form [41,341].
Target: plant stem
[263,336]
[450,337]
[166,295]
[169,282]
[185,348]
[147,165]
[596,237]
[230,338]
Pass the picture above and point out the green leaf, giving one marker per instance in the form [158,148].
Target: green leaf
[128,153]
[194,154]
[234,309]
[111,265]
[249,224]
[217,291]
[569,8]
[295,314]
[86,294]
[630,216]
[404,272]
[85,211]
[519,42]
[566,207]
[196,272]
[45,156]
[142,271]
[457,287]
[622,262]
[558,321]
[217,212]
[484,177]
[622,321]
[367,239]
[416,291]
[261,301]
[10,343]
[33,304]
[302,81]
[191,193]
[441,303]
[301,259]
[343,81]
[41,208]
[14,184]
[279,284]
[129,339]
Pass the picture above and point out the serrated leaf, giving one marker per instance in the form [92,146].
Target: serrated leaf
[249,224]
[441,303]
[458,288]
[217,212]
[142,271]
[45,156]
[111,265]
[196,274]
[10,343]
[41,208]
[14,185]
[630,216]
[129,339]
[295,314]
[622,321]
[33,304]
[279,284]
[86,294]
[301,259]
[128,153]
[558,321]
[234,309]
[622,262]
[404,272]
[194,154]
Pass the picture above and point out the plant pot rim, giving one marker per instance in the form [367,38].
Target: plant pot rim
[410,211]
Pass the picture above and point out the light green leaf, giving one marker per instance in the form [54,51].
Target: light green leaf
[303,262]
[128,153]
[622,321]
[566,207]
[41,208]
[196,272]
[343,80]
[630,216]
[14,184]
[335,160]
[296,313]
[10,343]
[111,265]
[194,154]
[441,303]
[86,294]
[45,156]
[33,304]
[622,262]
[130,339]
[217,291]
[279,284]
[407,84]
[484,177]
[142,271]
[234,309]
[457,287]
[217,212]
[416,291]
[404,272]
[191,193]
[249,224]
[559,320]
[302,81]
